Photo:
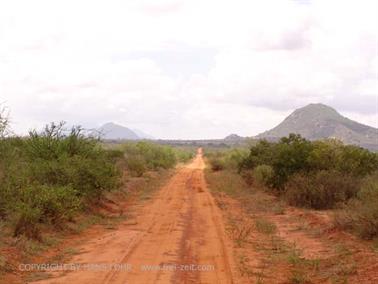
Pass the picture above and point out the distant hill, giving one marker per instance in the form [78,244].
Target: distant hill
[141,134]
[318,121]
[114,131]
[234,137]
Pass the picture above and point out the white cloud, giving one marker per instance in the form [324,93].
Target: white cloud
[182,69]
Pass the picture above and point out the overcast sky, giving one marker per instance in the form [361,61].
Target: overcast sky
[186,68]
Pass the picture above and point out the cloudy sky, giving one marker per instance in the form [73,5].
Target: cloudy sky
[186,68]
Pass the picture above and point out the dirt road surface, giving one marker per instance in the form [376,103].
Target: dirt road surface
[178,237]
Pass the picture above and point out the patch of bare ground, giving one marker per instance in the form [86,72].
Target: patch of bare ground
[276,243]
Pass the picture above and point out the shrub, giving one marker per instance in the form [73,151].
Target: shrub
[27,222]
[287,157]
[57,158]
[234,157]
[263,175]
[294,154]
[136,165]
[291,157]
[92,177]
[183,155]
[141,156]
[357,161]
[156,156]
[349,159]
[361,213]
[320,190]
[263,153]
[217,163]
[47,176]
[44,204]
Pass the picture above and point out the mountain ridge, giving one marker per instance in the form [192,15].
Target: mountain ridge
[319,121]
[113,131]
[233,137]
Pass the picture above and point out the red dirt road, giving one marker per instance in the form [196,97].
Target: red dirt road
[178,237]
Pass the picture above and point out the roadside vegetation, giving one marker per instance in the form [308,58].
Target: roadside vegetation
[278,243]
[226,158]
[62,180]
[48,177]
[141,157]
[319,175]
[264,232]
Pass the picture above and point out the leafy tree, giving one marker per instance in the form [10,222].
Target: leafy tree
[291,157]
[263,153]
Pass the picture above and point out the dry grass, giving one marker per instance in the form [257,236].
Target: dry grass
[264,226]
[256,237]
[241,231]
[3,262]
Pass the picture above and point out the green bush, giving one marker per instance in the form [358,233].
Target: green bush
[320,190]
[183,155]
[325,155]
[27,222]
[316,174]
[361,213]
[142,156]
[291,156]
[46,177]
[263,175]
[217,163]
[357,161]
[263,153]
[157,156]
[287,157]
[56,158]
[348,159]
[234,157]
[294,154]
[44,204]
[136,165]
